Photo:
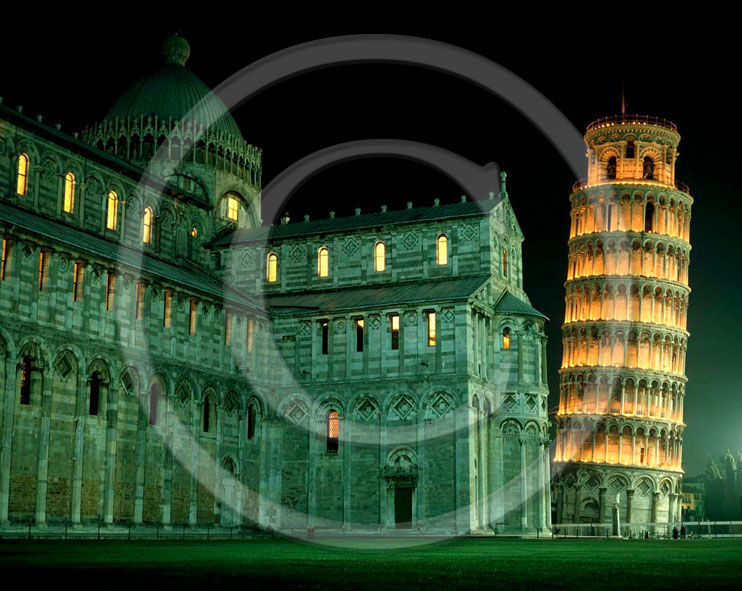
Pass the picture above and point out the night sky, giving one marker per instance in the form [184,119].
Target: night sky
[72,72]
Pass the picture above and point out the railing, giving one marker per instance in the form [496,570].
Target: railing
[31,531]
[582,183]
[660,530]
[628,119]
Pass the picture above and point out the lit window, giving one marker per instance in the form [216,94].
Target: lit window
[22,179]
[147,225]
[504,263]
[227,328]
[379,257]
[43,269]
[233,208]
[110,290]
[69,192]
[431,329]
[333,430]
[505,338]
[394,318]
[325,326]
[272,267]
[6,251]
[168,305]
[140,300]
[250,331]
[441,250]
[323,262]
[192,317]
[359,335]
[112,211]
[77,275]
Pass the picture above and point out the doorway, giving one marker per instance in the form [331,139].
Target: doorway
[403,507]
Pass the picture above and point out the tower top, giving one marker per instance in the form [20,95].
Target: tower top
[625,119]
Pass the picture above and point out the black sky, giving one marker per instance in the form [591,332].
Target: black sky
[71,72]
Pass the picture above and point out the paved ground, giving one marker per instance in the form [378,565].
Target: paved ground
[600,565]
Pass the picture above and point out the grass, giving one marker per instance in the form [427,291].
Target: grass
[602,565]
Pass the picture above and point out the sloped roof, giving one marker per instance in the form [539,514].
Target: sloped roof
[509,304]
[375,296]
[359,222]
[188,277]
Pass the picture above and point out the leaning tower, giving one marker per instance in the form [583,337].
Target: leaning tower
[622,381]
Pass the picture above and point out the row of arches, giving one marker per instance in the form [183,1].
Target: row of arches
[645,259]
[616,444]
[589,394]
[645,350]
[622,302]
[640,213]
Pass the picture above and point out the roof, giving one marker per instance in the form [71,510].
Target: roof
[376,296]
[173,92]
[359,222]
[62,233]
[509,304]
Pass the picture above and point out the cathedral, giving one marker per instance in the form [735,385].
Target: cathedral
[622,382]
[169,360]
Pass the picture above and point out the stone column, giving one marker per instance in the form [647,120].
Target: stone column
[602,504]
[629,505]
[576,513]
[523,484]
[11,400]
[141,449]
[43,465]
[270,474]
[655,506]
[111,442]
[671,508]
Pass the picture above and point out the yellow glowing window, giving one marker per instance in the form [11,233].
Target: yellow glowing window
[233,208]
[395,331]
[333,430]
[110,290]
[22,179]
[2,262]
[323,261]
[228,328]
[192,317]
[441,250]
[77,275]
[505,338]
[431,329]
[359,334]
[379,257]
[250,331]
[140,300]
[168,306]
[147,225]
[43,269]
[112,210]
[69,192]
[272,267]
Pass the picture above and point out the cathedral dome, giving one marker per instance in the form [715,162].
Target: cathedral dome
[173,93]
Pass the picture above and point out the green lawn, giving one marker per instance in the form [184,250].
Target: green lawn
[601,565]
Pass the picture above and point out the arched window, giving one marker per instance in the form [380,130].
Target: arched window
[26,380]
[323,262]
[379,256]
[648,168]
[154,399]
[147,225]
[233,208]
[506,338]
[69,192]
[610,169]
[95,381]
[22,179]
[207,413]
[271,267]
[333,430]
[649,218]
[251,422]
[504,262]
[112,210]
[441,250]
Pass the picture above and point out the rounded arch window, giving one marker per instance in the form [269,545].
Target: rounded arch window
[69,192]
[333,430]
[441,250]
[271,267]
[506,338]
[379,256]
[648,168]
[611,167]
[22,178]
[147,225]
[112,210]
[323,262]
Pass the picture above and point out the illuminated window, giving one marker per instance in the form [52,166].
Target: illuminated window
[140,300]
[69,192]
[431,329]
[504,263]
[95,381]
[272,267]
[233,208]
[251,421]
[379,257]
[22,178]
[112,210]
[394,320]
[6,252]
[168,305]
[323,262]
[43,269]
[359,334]
[192,317]
[26,380]
[441,250]
[333,430]
[77,276]
[227,328]
[250,332]
[147,225]
[110,290]
[325,327]
[505,338]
